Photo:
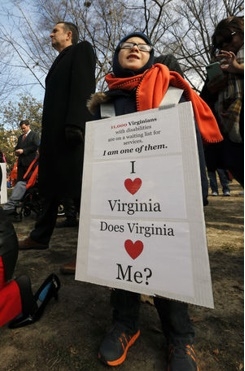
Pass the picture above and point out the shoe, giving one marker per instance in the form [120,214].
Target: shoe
[16,218]
[10,212]
[226,193]
[12,215]
[44,294]
[68,268]
[214,193]
[182,358]
[68,223]
[113,349]
[30,244]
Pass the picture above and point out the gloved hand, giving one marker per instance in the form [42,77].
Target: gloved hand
[74,135]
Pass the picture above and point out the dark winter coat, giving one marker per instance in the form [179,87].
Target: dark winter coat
[69,83]
[29,146]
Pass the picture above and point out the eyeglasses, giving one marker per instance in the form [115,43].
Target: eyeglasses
[225,40]
[141,47]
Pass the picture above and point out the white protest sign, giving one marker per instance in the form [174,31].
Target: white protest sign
[141,224]
[3,188]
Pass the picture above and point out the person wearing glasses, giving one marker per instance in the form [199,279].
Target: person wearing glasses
[137,83]
[226,99]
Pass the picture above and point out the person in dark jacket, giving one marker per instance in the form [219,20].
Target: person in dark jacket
[26,148]
[69,83]
[136,79]
[1,174]
[226,96]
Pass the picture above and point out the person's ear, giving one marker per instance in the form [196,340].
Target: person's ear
[69,34]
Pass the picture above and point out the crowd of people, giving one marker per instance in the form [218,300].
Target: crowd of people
[138,81]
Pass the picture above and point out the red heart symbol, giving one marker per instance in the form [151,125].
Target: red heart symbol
[133,249]
[133,185]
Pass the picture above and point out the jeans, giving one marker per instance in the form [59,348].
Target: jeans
[16,196]
[223,181]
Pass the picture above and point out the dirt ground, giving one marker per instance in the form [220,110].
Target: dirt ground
[68,335]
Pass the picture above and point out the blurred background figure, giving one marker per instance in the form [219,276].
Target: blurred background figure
[71,214]
[26,148]
[224,181]
[2,159]
[225,95]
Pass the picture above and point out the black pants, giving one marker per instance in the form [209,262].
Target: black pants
[1,177]
[21,170]
[234,158]
[45,224]
[174,315]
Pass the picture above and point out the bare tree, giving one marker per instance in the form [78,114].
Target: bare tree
[183,28]
[193,34]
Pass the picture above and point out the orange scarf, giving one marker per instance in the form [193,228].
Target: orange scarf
[155,81]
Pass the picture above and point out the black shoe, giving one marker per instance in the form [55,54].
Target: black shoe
[113,349]
[29,244]
[68,223]
[10,212]
[12,215]
[44,294]
[182,358]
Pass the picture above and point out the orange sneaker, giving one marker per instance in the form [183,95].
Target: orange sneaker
[182,357]
[114,348]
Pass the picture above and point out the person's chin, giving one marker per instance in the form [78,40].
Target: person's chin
[133,66]
[54,44]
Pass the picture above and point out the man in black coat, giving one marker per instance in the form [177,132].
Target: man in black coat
[69,84]
[26,148]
